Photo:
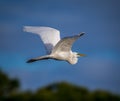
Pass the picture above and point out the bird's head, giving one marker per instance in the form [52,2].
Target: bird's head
[74,57]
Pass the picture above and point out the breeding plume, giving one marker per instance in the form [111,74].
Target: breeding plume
[58,49]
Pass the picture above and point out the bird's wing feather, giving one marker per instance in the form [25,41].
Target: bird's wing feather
[38,58]
[65,44]
[49,36]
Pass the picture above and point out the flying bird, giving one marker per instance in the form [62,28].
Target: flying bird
[58,49]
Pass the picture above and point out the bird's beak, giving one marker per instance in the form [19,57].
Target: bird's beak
[79,55]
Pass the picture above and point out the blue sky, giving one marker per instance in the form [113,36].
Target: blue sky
[99,19]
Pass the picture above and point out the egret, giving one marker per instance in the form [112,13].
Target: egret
[58,49]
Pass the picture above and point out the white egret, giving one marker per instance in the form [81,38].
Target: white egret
[58,49]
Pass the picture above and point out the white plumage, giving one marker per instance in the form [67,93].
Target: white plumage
[58,49]
[49,36]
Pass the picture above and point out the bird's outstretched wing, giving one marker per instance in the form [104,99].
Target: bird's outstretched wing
[65,44]
[38,58]
[49,36]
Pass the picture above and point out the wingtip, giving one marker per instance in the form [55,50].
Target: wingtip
[25,28]
[31,60]
[82,33]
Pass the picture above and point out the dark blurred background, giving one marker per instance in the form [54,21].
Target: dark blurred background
[10,91]
[99,19]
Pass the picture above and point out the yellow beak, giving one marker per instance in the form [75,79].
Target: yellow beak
[81,54]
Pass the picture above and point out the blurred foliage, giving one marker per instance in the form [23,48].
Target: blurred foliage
[7,85]
[9,91]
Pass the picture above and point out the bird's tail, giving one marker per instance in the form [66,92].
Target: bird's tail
[39,58]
